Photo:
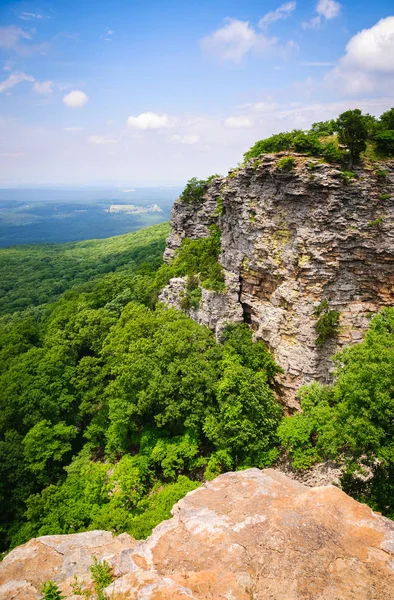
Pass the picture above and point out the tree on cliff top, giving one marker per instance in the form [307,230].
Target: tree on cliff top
[353,133]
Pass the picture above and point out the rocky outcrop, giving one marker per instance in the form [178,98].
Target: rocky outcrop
[289,240]
[246,535]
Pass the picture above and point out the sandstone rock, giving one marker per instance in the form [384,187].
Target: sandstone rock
[290,239]
[57,557]
[246,535]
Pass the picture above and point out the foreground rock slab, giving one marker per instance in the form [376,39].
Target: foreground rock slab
[246,535]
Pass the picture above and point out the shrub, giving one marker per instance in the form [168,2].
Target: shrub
[347,176]
[327,323]
[385,142]
[102,577]
[287,163]
[201,257]
[332,154]
[385,196]
[194,191]
[192,297]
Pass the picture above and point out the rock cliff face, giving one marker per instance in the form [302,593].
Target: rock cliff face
[291,239]
[250,535]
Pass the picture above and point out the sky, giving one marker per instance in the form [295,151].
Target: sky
[125,92]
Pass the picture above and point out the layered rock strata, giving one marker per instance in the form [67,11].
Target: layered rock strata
[246,535]
[291,239]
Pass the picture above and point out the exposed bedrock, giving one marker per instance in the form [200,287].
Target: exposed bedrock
[246,535]
[289,240]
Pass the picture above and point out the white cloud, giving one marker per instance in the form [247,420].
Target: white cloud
[149,120]
[28,16]
[329,9]
[102,140]
[43,87]
[72,129]
[326,9]
[188,139]
[368,64]
[10,36]
[14,79]
[230,42]
[282,12]
[238,122]
[75,99]
[237,38]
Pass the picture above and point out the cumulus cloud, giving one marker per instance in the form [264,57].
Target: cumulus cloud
[238,122]
[75,99]
[368,64]
[326,10]
[43,87]
[282,12]
[11,36]
[102,140]
[149,120]
[235,39]
[188,139]
[14,79]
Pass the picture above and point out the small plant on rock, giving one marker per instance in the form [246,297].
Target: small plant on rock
[327,324]
[287,163]
[51,591]
[347,176]
[382,174]
[102,577]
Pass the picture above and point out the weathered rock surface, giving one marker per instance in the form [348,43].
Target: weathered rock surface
[289,240]
[246,535]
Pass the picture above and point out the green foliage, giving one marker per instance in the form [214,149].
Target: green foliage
[110,410]
[219,210]
[156,507]
[192,296]
[387,120]
[195,189]
[34,275]
[324,128]
[347,176]
[287,163]
[381,174]
[327,324]
[356,132]
[353,419]
[102,577]
[51,591]
[353,132]
[200,257]
[385,196]
[376,222]
[385,142]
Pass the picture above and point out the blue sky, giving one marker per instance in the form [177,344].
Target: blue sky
[127,92]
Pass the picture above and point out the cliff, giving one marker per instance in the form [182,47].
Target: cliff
[246,535]
[291,239]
